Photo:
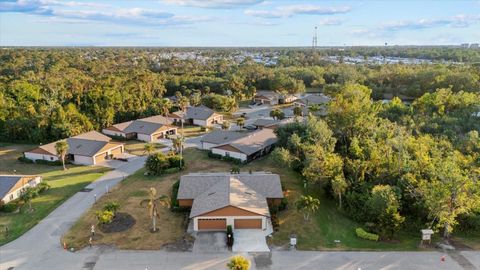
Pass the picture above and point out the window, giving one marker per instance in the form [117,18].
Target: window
[227,154]
[51,158]
[11,197]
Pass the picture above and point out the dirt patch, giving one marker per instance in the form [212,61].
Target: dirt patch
[183,244]
[120,223]
[459,245]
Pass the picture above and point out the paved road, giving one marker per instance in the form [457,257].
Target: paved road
[100,259]
[42,242]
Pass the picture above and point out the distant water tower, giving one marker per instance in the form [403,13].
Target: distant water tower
[314,40]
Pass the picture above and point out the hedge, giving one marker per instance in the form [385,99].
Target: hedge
[366,235]
[174,207]
[9,207]
[51,163]
[229,159]
[25,160]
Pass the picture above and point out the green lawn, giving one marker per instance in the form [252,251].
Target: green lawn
[63,185]
[138,148]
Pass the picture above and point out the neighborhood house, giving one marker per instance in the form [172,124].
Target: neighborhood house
[221,199]
[250,147]
[11,186]
[266,123]
[220,137]
[312,100]
[85,149]
[148,129]
[268,98]
[199,116]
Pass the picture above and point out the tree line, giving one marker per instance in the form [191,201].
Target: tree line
[49,94]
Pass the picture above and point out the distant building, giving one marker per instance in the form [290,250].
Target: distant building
[464,45]
[11,186]
[149,129]
[88,148]
[250,147]
[474,45]
[266,97]
[199,116]
[220,137]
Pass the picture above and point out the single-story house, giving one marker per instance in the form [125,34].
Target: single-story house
[148,129]
[221,199]
[250,147]
[312,100]
[220,137]
[286,99]
[11,186]
[264,97]
[88,148]
[199,116]
[266,123]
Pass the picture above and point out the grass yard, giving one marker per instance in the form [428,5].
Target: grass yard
[129,194]
[137,147]
[191,131]
[63,185]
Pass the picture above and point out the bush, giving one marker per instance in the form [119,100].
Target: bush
[111,206]
[9,207]
[283,204]
[176,161]
[50,163]
[105,216]
[159,164]
[229,229]
[213,155]
[366,235]
[25,160]
[43,186]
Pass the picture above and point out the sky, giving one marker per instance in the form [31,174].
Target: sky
[237,23]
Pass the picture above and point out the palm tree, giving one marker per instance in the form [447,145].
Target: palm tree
[225,125]
[165,106]
[238,263]
[241,122]
[182,103]
[62,148]
[307,205]
[178,143]
[339,186]
[27,195]
[297,111]
[152,203]
[149,148]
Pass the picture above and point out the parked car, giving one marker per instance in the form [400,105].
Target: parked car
[250,127]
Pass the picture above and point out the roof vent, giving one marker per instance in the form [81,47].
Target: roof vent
[211,193]
[78,146]
[248,193]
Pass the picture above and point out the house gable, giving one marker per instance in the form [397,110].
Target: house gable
[229,211]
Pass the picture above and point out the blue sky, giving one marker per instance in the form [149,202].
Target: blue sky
[236,22]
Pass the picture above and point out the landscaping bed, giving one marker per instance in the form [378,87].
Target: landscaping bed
[120,223]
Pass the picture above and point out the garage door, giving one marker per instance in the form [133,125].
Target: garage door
[212,224]
[100,158]
[117,151]
[248,223]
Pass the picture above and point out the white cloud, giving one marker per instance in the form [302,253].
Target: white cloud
[214,3]
[455,21]
[92,12]
[331,21]
[289,11]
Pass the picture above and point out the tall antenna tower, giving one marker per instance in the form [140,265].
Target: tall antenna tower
[314,40]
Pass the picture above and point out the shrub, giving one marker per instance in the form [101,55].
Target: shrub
[159,163]
[50,163]
[111,206]
[238,263]
[176,161]
[43,186]
[229,229]
[9,207]
[366,235]
[213,155]
[283,204]
[105,216]
[25,160]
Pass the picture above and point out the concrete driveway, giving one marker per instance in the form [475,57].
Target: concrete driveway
[210,242]
[250,241]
